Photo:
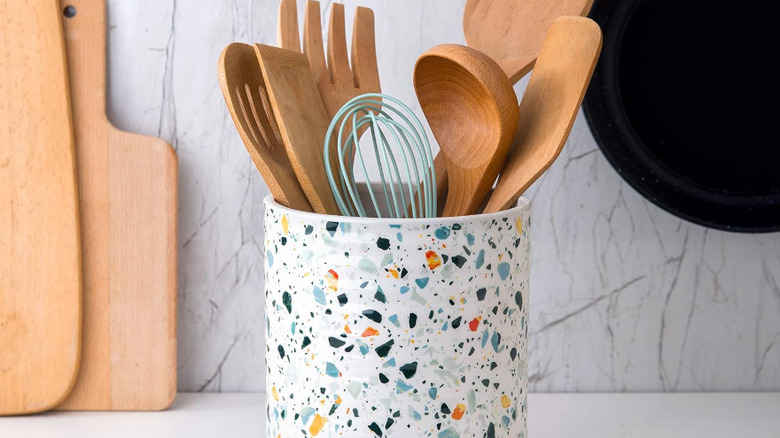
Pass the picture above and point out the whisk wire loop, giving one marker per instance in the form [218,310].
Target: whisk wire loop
[393,129]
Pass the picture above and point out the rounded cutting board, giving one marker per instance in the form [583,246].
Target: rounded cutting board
[40,261]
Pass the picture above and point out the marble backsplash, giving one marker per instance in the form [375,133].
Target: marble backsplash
[625,297]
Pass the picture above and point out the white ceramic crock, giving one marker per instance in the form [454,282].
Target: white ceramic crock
[396,328]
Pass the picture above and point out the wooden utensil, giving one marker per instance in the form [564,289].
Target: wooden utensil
[512,31]
[336,81]
[472,110]
[549,106]
[127,193]
[302,121]
[245,94]
[40,267]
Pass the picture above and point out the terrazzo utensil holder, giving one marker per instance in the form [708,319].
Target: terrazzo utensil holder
[396,328]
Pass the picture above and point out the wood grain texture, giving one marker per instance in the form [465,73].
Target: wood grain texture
[472,110]
[244,90]
[549,106]
[302,121]
[512,32]
[127,193]
[40,260]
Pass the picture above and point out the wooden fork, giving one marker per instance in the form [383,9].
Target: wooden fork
[337,82]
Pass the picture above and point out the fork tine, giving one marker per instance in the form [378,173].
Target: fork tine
[364,64]
[287,30]
[338,61]
[312,42]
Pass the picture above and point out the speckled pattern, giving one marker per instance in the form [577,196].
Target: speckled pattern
[393,328]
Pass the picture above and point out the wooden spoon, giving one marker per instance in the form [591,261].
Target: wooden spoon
[247,99]
[472,110]
[549,106]
[512,31]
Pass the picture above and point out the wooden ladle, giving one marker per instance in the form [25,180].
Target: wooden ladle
[473,113]
[549,106]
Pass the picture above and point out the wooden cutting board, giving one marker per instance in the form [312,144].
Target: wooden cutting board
[127,192]
[40,264]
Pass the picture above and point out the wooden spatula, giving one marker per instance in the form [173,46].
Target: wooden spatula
[40,260]
[549,106]
[127,193]
[302,119]
[512,31]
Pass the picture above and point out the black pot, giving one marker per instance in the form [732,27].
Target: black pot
[683,103]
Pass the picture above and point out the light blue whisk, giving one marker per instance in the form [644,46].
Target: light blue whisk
[394,129]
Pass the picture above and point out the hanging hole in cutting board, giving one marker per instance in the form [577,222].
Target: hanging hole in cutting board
[69,11]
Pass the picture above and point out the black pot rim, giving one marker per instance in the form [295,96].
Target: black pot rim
[626,153]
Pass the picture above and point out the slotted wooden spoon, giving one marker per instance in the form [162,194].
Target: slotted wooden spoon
[246,97]
[549,106]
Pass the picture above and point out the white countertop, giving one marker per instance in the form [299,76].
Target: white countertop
[713,415]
